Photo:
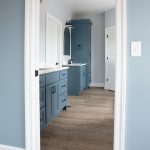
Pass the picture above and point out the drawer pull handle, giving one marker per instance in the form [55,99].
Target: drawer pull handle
[63,74]
[64,100]
[63,86]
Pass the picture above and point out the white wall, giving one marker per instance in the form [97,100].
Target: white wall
[59,10]
[110,18]
[97,47]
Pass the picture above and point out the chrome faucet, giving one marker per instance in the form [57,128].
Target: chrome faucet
[70,61]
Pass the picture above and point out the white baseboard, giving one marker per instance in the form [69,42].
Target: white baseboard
[97,84]
[6,147]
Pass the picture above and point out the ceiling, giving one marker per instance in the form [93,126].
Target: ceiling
[90,6]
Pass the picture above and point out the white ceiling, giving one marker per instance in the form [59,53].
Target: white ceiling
[90,6]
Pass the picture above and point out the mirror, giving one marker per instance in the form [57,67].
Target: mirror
[67,41]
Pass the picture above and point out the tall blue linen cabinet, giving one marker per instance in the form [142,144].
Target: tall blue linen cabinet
[81,44]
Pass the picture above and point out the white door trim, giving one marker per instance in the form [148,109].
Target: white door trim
[32,116]
[106,87]
[32,123]
[120,95]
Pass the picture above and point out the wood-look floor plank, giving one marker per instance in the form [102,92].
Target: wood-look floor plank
[87,125]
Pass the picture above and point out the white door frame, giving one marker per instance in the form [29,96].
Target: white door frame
[32,119]
[120,89]
[106,55]
[32,123]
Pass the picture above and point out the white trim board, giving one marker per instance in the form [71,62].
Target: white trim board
[31,63]
[97,84]
[5,147]
[120,96]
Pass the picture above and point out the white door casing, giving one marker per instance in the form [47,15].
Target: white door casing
[31,63]
[110,58]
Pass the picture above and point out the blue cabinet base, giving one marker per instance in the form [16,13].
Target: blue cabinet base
[53,95]
[77,80]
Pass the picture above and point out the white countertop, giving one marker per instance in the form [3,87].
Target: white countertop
[49,70]
[74,65]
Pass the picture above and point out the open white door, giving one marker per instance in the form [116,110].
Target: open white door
[53,41]
[110,58]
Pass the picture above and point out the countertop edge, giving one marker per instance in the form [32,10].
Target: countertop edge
[74,65]
[46,71]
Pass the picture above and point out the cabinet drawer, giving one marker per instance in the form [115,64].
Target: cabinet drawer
[83,68]
[42,96]
[42,80]
[63,74]
[52,77]
[42,117]
[62,87]
[62,101]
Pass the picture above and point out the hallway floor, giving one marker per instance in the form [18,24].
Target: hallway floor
[86,125]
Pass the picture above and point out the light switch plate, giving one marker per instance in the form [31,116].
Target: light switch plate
[136,47]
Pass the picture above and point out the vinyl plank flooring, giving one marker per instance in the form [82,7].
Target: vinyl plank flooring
[86,125]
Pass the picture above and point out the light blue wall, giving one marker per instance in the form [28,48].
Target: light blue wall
[12,124]
[110,18]
[138,77]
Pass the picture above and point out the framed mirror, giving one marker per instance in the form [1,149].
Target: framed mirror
[67,41]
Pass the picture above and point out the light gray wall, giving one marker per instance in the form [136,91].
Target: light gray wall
[138,81]
[97,46]
[59,10]
[110,18]
[12,116]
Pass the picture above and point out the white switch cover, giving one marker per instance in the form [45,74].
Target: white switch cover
[136,48]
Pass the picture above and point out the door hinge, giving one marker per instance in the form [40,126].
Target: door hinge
[36,73]
[107,80]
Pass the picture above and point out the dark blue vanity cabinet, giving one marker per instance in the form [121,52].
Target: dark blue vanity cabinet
[53,95]
[81,44]
[76,79]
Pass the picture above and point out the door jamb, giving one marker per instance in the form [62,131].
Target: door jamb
[31,63]
[106,55]
[32,123]
[120,95]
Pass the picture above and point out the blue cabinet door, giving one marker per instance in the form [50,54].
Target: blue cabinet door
[49,113]
[42,117]
[55,100]
[42,96]
[51,101]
